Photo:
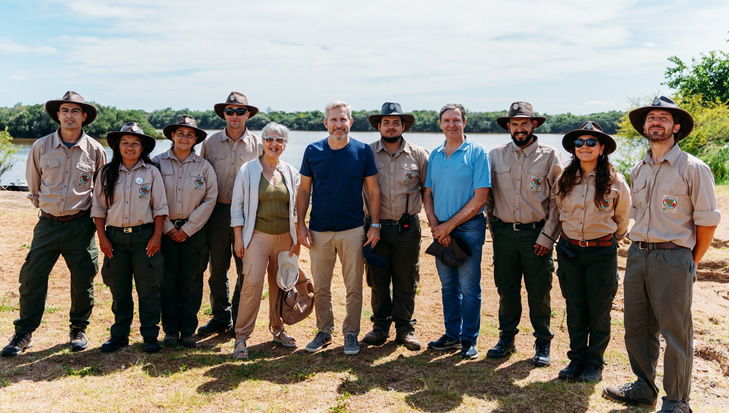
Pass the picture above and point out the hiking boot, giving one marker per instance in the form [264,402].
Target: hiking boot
[503,348]
[351,345]
[541,356]
[321,340]
[376,337]
[151,345]
[18,344]
[445,343]
[468,350]
[78,339]
[114,344]
[630,394]
[213,327]
[171,340]
[591,374]
[674,406]
[572,371]
[188,341]
[408,340]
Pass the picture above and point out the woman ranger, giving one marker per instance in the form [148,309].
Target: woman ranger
[191,187]
[593,202]
[129,199]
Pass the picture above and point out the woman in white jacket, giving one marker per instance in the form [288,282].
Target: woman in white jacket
[263,217]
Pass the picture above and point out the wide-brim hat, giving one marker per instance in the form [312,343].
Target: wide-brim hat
[520,110]
[235,98]
[589,128]
[188,122]
[131,128]
[52,107]
[680,116]
[392,109]
[288,271]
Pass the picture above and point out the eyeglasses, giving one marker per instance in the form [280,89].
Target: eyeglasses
[239,111]
[279,140]
[591,142]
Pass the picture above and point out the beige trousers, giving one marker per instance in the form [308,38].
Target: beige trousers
[261,254]
[324,250]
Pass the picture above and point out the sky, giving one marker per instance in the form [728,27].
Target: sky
[296,55]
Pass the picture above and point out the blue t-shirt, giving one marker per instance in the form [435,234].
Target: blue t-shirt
[454,179]
[337,179]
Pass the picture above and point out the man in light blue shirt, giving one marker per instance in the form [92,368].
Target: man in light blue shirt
[456,188]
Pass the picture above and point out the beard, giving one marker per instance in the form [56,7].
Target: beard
[659,137]
[391,139]
[522,142]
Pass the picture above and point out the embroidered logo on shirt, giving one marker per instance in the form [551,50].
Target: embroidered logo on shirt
[199,182]
[669,204]
[409,175]
[144,191]
[84,179]
[535,183]
[604,204]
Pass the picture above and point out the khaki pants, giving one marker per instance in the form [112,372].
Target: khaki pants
[261,254]
[324,250]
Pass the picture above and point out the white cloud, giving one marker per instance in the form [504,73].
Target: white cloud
[11,46]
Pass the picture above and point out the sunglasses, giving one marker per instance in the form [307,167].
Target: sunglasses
[591,142]
[278,140]
[239,111]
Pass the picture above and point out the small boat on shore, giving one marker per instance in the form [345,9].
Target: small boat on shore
[14,186]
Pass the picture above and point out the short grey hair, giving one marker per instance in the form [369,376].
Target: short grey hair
[337,104]
[452,106]
[282,130]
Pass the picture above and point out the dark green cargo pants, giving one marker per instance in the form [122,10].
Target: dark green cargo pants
[182,286]
[589,283]
[220,243]
[513,256]
[51,239]
[131,263]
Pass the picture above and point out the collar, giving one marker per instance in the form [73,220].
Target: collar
[671,157]
[466,142]
[225,136]
[529,149]
[170,154]
[404,147]
[140,164]
[58,141]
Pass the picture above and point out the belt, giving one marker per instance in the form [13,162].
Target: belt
[605,241]
[385,222]
[518,226]
[64,218]
[129,230]
[178,223]
[658,245]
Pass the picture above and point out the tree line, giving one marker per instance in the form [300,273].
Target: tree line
[31,121]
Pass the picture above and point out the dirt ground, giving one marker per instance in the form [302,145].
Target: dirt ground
[387,378]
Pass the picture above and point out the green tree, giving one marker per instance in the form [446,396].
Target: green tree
[7,150]
[707,77]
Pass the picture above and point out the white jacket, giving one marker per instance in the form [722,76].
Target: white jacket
[245,197]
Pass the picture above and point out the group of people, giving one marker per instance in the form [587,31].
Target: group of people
[161,221]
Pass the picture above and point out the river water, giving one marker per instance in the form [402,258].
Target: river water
[297,143]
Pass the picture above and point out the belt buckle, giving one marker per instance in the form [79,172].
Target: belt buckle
[640,246]
[587,244]
[514,225]
[127,230]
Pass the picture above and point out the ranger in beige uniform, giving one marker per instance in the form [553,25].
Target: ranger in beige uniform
[192,189]
[676,214]
[227,151]
[401,170]
[59,172]
[519,211]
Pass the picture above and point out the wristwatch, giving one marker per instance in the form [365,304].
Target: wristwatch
[378,226]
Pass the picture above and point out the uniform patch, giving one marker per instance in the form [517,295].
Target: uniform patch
[669,204]
[84,179]
[144,191]
[409,175]
[535,183]
[604,204]
[199,182]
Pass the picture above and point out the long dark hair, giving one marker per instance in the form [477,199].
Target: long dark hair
[604,178]
[110,172]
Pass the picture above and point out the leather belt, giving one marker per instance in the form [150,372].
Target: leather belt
[129,230]
[64,218]
[605,241]
[386,222]
[518,226]
[178,223]
[658,245]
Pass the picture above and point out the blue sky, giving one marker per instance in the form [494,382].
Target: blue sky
[561,55]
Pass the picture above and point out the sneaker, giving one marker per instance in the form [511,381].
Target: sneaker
[541,356]
[188,341]
[408,340]
[351,345]
[151,345]
[591,374]
[171,340]
[572,371]
[213,327]
[445,343]
[114,343]
[18,344]
[503,348]
[630,394]
[321,340]
[376,337]
[468,350]
[78,339]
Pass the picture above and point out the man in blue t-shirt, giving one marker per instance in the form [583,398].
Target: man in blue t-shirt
[333,172]
[456,189]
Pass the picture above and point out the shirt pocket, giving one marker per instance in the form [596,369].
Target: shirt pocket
[536,180]
[639,193]
[674,198]
[502,175]
[51,171]
[197,182]
[218,159]
[606,209]
[409,173]
[86,174]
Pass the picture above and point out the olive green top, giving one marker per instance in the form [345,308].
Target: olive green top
[272,215]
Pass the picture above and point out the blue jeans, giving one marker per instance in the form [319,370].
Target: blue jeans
[461,285]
